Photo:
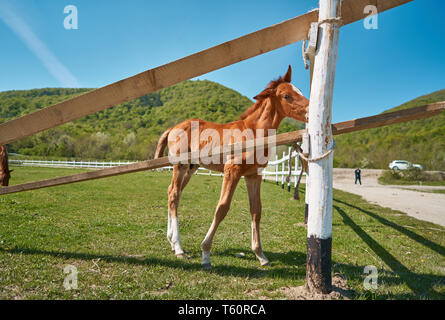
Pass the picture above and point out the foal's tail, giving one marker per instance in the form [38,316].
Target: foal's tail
[162,143]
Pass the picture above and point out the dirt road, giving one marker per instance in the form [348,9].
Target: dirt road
[421,205]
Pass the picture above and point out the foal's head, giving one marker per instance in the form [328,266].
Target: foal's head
[289,100]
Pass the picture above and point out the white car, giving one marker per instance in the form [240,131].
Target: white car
[404,165]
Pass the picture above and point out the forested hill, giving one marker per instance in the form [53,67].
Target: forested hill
[420,141]
[128,131]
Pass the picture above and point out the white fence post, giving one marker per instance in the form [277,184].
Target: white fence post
[282,171]
[319,230]
[296,170]
[289,163]
[276,169]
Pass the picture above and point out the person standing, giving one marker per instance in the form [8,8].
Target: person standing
[358,176]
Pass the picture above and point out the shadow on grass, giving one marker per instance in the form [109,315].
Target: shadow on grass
[389,278]
[290,258]
[420,284]
[416,237]
[273,272]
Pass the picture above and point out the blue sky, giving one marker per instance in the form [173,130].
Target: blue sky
[115,39]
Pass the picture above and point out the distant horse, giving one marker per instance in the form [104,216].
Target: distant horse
[279,100]
[5,173]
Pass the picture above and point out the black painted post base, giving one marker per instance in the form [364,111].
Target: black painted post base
[296,195]
[288,188]
[318,265]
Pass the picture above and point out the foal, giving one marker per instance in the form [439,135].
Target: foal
[279,100]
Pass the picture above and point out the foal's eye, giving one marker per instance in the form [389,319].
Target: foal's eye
[287,97]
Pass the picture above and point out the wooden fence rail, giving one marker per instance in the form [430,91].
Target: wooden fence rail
[285,138]
[280,166]
[228,53]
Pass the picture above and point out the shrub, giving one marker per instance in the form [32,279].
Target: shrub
[413,174]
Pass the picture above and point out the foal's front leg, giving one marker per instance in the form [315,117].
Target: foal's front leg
[253,184]
[231,178]
[174,193]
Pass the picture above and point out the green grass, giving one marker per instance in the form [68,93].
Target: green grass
[114,232]
[384,179]
[418,141]
[412,177]
[427,190]
[411,182]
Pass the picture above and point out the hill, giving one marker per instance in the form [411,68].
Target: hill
[127,131]
[421,141]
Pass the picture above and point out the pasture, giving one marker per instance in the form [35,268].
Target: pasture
[114,232]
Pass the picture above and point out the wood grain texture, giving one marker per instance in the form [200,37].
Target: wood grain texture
[352,11]
[319,123]
[92,175]
[284,138]
[320,190]
[217,57]
[388,118]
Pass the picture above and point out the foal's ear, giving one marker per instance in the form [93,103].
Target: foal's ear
[288,75]
[263,95]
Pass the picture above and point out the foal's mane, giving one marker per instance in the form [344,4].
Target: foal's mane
[259,103]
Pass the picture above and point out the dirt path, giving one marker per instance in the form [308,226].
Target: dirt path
[420,205]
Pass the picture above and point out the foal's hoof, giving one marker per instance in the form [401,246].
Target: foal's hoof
[265,264]
[207,266]
[180,256]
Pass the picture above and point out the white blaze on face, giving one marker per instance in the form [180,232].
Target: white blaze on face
[296,90]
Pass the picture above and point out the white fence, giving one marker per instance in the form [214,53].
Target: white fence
[278,169]
[68,164]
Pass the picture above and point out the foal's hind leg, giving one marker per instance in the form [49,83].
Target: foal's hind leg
[253,184]
[174,193]
[231,178]
[192,169]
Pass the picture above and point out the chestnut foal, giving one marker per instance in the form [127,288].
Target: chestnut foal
[279,100]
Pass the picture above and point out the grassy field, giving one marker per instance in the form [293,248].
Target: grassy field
[428,191]
[412,177]
[412,182]
[114,232]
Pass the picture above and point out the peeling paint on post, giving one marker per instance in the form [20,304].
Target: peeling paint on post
[319,236]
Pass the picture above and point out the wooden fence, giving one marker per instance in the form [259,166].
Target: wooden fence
[329,16]
[223,55]
[284,138]
[277,169]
